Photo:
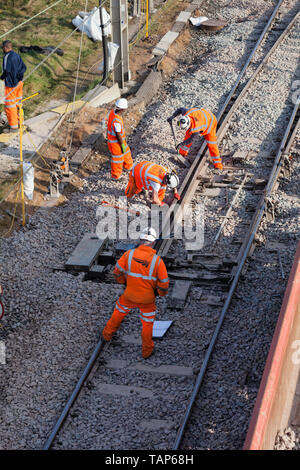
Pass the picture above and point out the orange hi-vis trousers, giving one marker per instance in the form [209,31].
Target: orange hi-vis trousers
[147,316]
[120,161]
[11,99]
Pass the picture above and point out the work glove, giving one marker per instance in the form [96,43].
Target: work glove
[123,146]
[178,146]
[176,196]
[169,119]
[156,292]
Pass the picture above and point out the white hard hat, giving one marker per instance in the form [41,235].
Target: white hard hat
[122,103]
[172,180]
[184,122]
[148,234]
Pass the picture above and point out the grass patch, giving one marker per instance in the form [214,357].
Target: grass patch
[56,77]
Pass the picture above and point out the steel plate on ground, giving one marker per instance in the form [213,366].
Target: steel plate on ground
[213,25]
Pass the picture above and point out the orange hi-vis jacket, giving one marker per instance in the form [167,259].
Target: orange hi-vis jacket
[145,172]
[204,122]
[143,271]
[112,140]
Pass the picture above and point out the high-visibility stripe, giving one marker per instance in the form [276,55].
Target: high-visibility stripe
[152,265]
[120,268]
[121,307]
[116,159]
[142,276]
[163,280]
[10,106]
[150,320]
[190,111]
[162,288]
[211,122]
[197,129]
[144,179]
[211,141]
[112,141]
[148,314]
[205,117]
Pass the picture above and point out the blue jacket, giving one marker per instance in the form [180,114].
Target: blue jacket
[13,69]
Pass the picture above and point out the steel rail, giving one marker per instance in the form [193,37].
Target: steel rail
[284,147]
[74,394]
[190,183]
[230,209]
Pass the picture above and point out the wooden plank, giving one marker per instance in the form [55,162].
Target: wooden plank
[85,253]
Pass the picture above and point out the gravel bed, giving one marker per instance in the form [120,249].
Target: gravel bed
[54,319]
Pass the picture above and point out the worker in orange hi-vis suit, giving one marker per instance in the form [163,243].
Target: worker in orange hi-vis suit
[145,276]
[120,151]
[12,74]
[197,121]
[149,176]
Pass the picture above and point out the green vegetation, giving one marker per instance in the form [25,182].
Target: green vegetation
[56,77]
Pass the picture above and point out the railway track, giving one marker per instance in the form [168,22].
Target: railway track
[177,385]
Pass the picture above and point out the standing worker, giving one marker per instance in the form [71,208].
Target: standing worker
[120,151]
[13,69]
[149,176]
[145,276]
[197,121]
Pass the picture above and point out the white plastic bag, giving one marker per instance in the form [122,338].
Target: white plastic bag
[198,20]
[91,23]
[112,52]
[28,179]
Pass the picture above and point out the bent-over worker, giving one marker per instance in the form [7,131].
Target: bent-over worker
[150,176]
[13,69]
[117,145]
[200,121]
[145,276]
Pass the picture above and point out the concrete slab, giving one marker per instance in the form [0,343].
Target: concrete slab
[184,16]
[156,424]
[85,253]
[149,88]
[94,92]
[178,26]
[124,390]
[84,151]
[165,42]
[168,369]
[49,115]
[68,107]
[115,364]
[179,294]
[213,192]
[105,96]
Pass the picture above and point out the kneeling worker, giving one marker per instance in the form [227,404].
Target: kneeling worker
[149,176]
[117,145]
[200,121]
[145,276]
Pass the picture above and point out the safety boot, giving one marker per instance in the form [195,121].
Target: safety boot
[218,166]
